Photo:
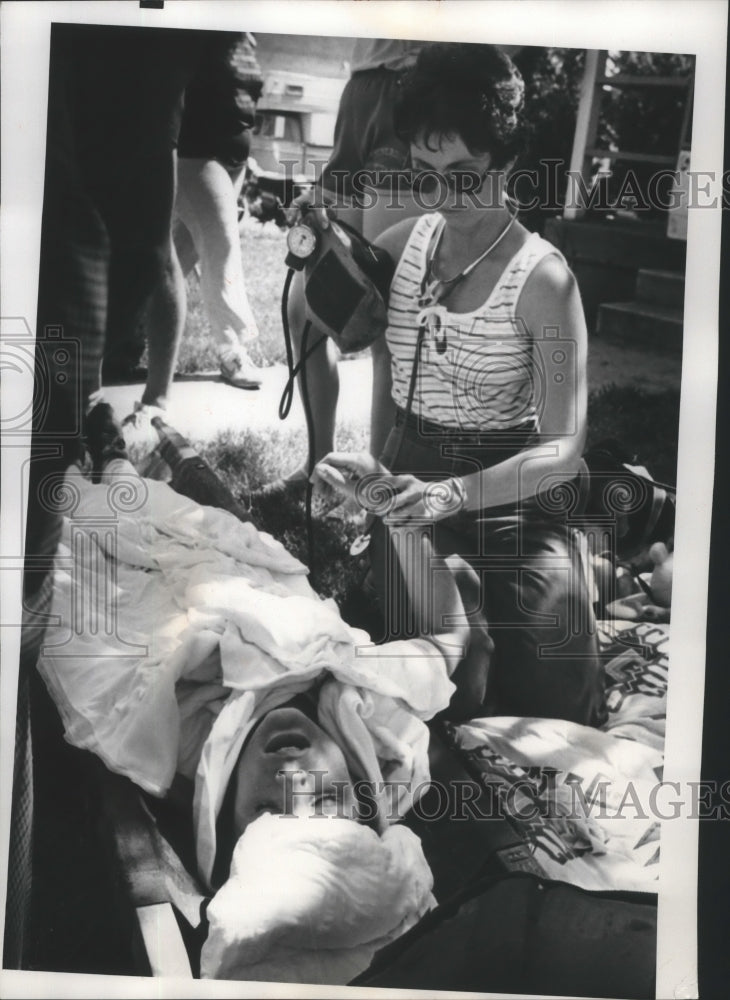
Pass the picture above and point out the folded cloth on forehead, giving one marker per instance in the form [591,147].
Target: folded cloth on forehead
[303,905]
[179,627]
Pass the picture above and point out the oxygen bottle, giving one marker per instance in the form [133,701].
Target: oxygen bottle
[191,475]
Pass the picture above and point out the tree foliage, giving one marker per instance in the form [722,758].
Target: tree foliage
[635,119]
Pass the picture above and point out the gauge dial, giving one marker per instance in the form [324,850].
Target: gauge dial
[302,241]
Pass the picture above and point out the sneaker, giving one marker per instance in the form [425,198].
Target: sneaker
[104,438]
[238,370]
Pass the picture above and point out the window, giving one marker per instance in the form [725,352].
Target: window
[282,125]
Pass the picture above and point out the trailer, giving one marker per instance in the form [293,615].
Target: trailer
[294,132]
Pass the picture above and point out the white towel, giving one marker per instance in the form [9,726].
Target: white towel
[312,900]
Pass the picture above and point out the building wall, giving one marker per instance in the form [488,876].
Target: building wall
[316,55]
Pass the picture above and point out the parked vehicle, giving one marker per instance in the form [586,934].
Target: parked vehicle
[294,132]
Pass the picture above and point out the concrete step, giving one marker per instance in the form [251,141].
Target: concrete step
[665,288]
[605,256]
[641,324]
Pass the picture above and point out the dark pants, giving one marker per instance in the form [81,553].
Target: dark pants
[534,649]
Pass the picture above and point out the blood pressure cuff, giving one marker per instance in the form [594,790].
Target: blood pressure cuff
[346,288]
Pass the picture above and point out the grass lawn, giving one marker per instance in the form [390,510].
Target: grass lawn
[644,422]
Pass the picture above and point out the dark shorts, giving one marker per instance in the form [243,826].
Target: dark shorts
[365,138]
[126,87]
[220,102]
[208,133]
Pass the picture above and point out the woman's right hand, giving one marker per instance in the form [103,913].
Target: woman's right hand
[355,475]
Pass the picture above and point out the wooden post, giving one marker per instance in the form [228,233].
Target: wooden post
[163,946]
[586,127]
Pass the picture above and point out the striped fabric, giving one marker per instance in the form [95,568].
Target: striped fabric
[483,379]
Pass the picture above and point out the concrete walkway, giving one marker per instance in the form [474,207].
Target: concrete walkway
[202,406]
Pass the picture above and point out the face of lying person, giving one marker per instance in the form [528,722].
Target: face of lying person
[291,767]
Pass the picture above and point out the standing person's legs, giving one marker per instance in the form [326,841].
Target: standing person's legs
[166,318]
[207,205]
[323,380]
[361,103]
[144,273]
[128,162]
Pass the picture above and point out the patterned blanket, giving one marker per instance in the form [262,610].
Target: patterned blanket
[587,801]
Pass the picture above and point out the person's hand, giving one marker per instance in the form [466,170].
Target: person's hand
[356,476]
[305,208]
[399,498]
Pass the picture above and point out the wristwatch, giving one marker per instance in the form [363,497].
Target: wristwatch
[445,498]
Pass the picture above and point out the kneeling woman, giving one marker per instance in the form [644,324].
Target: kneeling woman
[480,385]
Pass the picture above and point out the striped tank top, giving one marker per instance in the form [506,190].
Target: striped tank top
[476,371]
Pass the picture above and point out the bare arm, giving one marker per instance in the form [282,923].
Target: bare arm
[434,597]
[550,303]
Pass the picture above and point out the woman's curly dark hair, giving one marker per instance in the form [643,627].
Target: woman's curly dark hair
[466,90]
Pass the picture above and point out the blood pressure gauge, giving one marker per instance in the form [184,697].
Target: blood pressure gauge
[302,243]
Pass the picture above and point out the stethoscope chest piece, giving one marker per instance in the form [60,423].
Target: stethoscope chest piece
[433,320]
[359,545]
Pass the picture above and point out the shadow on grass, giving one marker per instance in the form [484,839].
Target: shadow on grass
[646,423]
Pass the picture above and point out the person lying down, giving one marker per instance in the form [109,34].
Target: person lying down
[191,650]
